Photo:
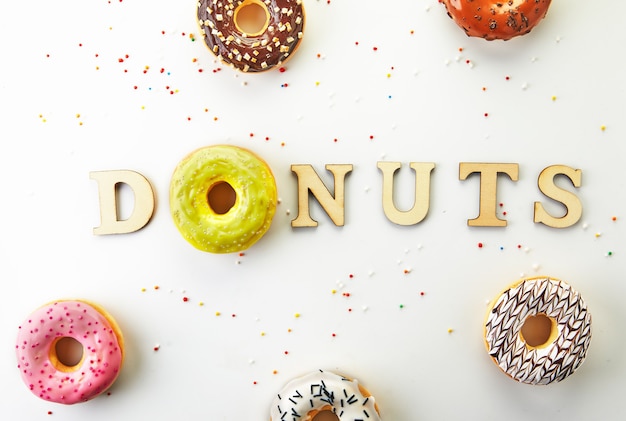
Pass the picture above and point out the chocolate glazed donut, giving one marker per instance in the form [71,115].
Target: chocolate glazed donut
[252,35]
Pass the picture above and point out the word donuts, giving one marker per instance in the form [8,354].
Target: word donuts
[252,35]
[51,372]
[538,330]
[305,397]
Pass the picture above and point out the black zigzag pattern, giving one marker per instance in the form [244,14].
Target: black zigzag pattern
[544,365]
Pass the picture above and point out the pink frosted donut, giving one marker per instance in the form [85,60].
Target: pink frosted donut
[47,373]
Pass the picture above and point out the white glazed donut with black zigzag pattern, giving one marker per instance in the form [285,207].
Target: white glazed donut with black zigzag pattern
[567,347]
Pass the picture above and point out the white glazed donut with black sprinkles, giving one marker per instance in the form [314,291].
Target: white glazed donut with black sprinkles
[567,326]
[252,35]
[305,397]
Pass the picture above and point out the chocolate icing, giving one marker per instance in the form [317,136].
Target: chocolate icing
[256,52]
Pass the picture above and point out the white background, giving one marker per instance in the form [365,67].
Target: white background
[81,89]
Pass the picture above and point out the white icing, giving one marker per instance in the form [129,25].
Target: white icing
[542,365]
[323,389]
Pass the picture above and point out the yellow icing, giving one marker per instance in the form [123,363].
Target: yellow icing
[250,216]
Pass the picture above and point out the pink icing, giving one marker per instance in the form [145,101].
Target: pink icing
[102,353]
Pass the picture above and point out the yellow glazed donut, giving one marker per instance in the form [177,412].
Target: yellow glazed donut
[538,330]
[222,198]
[69,351]
[252,35]
[304,398]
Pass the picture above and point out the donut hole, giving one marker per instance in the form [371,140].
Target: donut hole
[67,353]
[538,331]
[221,197]
[326,415]
[252,17]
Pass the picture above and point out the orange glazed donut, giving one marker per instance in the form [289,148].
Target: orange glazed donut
[49,371]
[496,19]
[252,35]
